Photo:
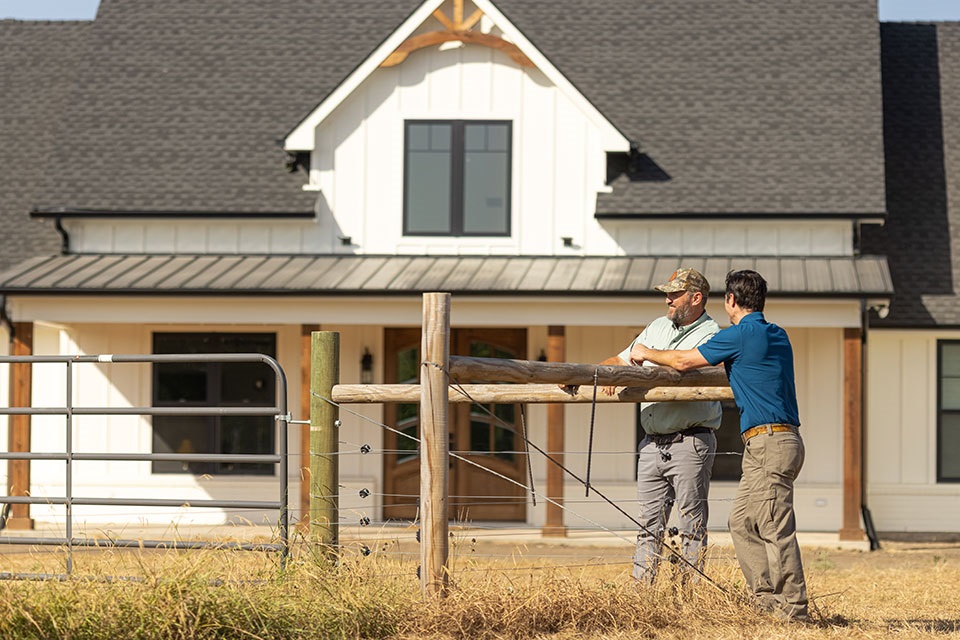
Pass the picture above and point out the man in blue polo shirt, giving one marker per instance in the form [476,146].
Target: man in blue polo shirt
[759,362]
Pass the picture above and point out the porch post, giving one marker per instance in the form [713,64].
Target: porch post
[852,432]
[553,526]
[18,471]
[305,331]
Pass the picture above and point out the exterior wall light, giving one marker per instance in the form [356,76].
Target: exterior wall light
[366,367]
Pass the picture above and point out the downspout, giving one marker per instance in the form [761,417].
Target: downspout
[864,509]
[64,236]
[5,317]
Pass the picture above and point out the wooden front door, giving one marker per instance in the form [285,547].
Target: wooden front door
[485,442]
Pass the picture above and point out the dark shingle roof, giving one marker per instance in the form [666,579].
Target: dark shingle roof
[921,108]
[405,275]
[749,106]
[746,106]
[38,61]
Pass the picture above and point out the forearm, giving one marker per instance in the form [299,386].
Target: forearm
[681,360]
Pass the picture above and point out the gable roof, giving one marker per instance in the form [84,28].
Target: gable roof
[921,109]
[302,137]
[744,106]
[38,61]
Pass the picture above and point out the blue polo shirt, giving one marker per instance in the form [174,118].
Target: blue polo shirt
[759,362]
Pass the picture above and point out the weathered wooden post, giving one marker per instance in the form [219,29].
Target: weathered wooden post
[434,444]
[324,439]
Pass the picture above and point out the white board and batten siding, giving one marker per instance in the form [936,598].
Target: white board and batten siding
[901,449]
[129,385]
[558,170]
[819,489]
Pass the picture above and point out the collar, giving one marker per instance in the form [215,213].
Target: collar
[753,316]
[689,327]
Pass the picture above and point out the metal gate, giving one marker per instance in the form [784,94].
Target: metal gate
[278,412]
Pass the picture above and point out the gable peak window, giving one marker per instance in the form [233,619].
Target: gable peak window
[457,177]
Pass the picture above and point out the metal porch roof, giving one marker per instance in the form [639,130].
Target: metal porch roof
[108,274]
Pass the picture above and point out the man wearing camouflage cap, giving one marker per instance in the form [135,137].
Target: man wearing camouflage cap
[676,454]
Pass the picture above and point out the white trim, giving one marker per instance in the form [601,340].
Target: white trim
[302,137]
[481,311]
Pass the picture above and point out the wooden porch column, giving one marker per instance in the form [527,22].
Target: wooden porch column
[18,471]
[852,435]
[305,331]
[554,527]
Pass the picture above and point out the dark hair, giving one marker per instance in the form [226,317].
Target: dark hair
[749,289]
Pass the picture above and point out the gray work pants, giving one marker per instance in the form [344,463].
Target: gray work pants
[763,526]
[666,474]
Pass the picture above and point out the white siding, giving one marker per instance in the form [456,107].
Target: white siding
[902,489]
[129,385]
[818,375]
[558,170]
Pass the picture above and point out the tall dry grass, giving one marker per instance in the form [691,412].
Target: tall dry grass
[228,594]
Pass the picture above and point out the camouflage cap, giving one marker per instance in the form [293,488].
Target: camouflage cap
[685,280]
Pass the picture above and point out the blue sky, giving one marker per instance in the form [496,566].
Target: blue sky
[87,9]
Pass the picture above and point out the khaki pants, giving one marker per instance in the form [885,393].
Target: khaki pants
[763,526]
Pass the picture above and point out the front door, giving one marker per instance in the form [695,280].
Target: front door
[485,443]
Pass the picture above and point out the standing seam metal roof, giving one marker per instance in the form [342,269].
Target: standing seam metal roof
[395,275]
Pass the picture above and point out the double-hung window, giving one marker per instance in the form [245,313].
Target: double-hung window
[457,178]
[948,411]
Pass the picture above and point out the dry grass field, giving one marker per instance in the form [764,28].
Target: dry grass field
[498,590]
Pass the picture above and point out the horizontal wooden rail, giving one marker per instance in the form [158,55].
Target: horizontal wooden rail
[522,393]
[465,369]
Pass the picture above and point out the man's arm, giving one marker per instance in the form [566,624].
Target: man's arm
[681,360]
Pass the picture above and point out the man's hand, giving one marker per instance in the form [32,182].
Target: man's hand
[639,354]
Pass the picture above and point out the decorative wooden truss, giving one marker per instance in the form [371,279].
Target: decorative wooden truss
[457,29]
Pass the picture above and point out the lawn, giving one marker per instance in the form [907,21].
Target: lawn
[498,590]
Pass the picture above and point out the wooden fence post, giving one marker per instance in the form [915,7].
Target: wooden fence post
[434,445]
[324,440]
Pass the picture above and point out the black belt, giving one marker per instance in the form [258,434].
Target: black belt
[677,436]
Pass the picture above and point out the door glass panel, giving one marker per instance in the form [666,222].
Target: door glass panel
[479,437]
[504,442]
[408,415]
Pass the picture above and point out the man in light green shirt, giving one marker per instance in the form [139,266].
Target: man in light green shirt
[675,458]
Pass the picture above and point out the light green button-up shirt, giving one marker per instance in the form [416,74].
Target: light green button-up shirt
[670,417]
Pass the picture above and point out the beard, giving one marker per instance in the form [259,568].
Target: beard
[680,315]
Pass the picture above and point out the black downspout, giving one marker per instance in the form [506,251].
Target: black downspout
[64,236]
[5,317]
[864,510]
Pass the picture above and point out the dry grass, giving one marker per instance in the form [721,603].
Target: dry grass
[499,591]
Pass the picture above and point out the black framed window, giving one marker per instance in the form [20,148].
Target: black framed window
[948,411]
[457,178]
[209,384]
[727,462]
